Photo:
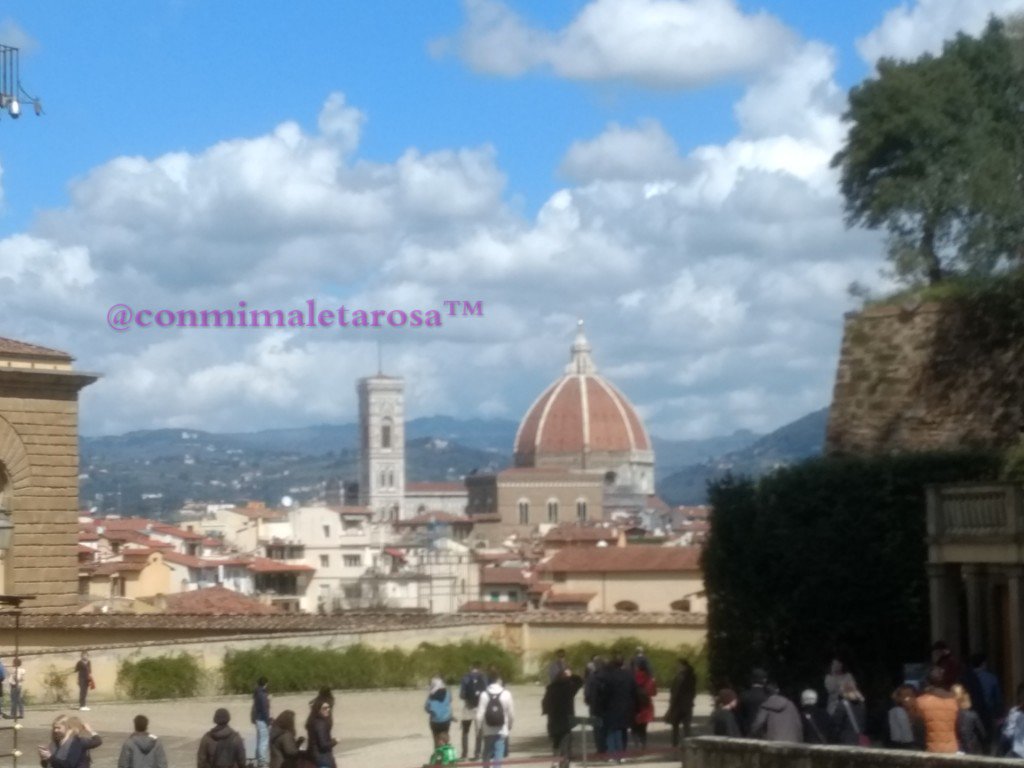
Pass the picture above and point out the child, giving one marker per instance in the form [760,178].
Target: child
[444,754]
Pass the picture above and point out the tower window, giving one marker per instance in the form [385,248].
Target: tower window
[524,513]
[385,434]
[552,511]
[581,511]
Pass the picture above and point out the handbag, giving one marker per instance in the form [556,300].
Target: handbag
[92,683]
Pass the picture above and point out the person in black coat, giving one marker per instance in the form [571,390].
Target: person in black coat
[559,706]
[751,700]
[318,730]
[617,704]
[680,701]
[817,723]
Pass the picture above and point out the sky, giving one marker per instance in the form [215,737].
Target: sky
[659,168]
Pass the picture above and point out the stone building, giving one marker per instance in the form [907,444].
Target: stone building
[584,424]
[39,473]
[976,573]
[382,445]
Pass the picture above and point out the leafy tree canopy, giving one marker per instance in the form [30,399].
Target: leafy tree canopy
[935,157]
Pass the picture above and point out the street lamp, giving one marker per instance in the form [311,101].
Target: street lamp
[11,92]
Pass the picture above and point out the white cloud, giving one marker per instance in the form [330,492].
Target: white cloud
[659,43]
[922,26]
[693,268]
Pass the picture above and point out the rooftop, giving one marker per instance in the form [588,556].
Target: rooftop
[637,559]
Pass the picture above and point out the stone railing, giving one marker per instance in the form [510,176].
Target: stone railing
[716,752]
[975,511]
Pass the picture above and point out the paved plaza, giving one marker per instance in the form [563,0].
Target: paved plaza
[375,729]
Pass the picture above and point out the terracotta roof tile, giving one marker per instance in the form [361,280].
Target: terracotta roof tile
[638,558]
[265,565]
[581,533]
[490,606]
[17,348]
[499,575]
[216,601]
[569,598]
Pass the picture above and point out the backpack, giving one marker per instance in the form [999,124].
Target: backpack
[494,714]
[3,672]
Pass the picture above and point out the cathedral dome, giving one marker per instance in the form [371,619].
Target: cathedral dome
[582,421]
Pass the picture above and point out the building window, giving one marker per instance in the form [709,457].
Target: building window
[325,561]
[552,511]
[581,511]
[385,434]
[524,513]
[353,561]
[327,531]
[391,478]
[495,597]
[513,596]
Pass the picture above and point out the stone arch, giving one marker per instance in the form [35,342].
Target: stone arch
[14,462]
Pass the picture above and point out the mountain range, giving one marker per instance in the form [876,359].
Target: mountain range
[154,472]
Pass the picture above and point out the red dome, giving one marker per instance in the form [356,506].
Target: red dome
[579,414]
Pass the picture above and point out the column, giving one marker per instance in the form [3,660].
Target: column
[976,582]
[942,601]
[1015,588]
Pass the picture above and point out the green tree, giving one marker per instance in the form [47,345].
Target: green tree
[934,157]
[826,556]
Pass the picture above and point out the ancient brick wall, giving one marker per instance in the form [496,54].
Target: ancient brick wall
[39,452]
[932,376]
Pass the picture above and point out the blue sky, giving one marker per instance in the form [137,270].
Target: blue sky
[659,167]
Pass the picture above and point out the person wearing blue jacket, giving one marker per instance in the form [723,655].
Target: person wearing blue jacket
[439,707]
[261,719]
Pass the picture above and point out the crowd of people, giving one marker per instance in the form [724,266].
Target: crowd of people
[955,709]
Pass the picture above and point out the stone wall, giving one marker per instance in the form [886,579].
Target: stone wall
[39,453]
[929,376]
[54,642]
[716,752]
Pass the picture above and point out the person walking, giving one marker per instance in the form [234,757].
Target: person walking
[593,680]
[617,708]
[142,750]
[777,719]
[646,690]
[17,710]
[559,706]
[70,742]
[939,713]
[83,670]
[472,685]
[495,716]
[681,696]
[991,694]
[319,728]
[221,746]
[439,708]
[285,746]
[260,717]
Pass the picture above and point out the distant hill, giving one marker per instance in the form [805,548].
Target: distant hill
[154,472]
[789,444]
